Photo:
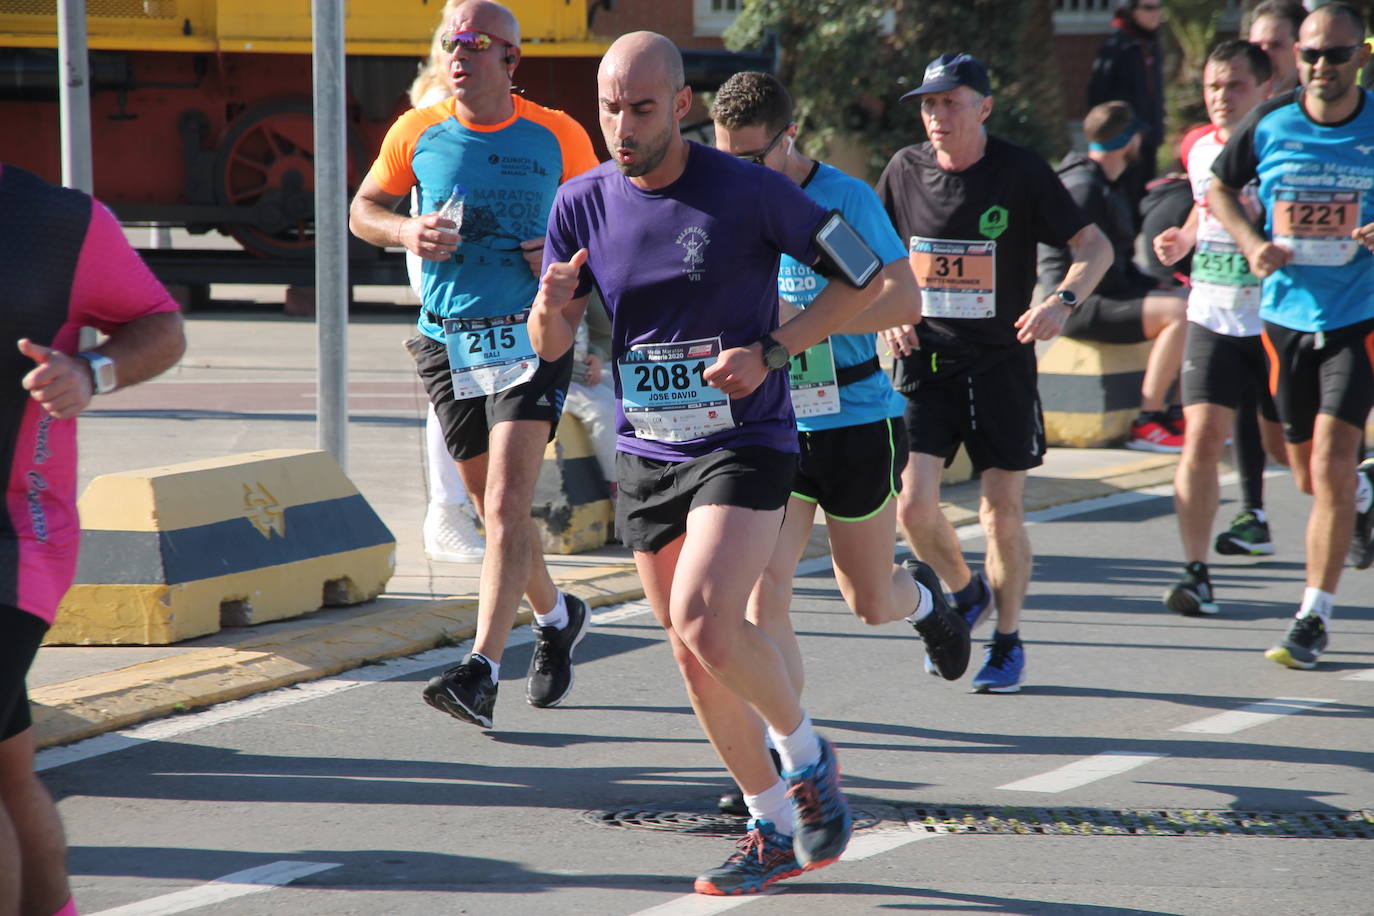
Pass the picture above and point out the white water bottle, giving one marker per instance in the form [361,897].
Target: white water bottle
[453,207]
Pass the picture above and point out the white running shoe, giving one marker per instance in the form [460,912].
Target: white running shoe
[451,534]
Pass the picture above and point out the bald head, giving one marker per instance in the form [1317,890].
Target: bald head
[483,16]
[641,57]
[1339,15]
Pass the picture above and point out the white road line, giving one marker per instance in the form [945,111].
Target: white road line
[1082,772]
[862,846]
[1367,675]
[239,884]
[163,729]
[1228,723]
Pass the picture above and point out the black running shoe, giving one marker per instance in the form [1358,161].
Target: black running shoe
[944,631]
[1361,553]
[732,802]
[465,691]
[1192,594]
[1300,646]
[551,667]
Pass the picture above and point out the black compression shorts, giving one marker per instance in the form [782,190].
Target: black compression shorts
[1331,372]
[1222,369]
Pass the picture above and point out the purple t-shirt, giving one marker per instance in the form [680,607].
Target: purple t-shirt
[696,261]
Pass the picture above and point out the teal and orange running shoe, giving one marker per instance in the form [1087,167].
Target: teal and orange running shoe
[822,823]
[762,857]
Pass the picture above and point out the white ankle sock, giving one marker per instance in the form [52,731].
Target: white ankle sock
[924,604]
[798,750]
[1364,493]
[556,618]
[772,806]
[495,666]
[1316,601]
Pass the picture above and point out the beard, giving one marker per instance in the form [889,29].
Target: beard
[648,153]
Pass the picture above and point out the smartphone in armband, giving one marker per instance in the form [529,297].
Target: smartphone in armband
[844,253]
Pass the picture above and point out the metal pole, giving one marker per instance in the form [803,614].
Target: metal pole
[331,229]
[74,93]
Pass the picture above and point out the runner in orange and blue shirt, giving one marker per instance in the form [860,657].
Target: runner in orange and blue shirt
[497,402]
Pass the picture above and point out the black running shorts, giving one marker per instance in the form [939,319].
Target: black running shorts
[995,414]
[21,633]
[1106,320]
[467,423]
[852,471]
[655,496]
[1221,369]
[1331,372]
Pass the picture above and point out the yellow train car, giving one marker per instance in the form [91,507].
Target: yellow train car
[201,109]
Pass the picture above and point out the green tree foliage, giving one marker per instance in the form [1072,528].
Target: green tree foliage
[847,62]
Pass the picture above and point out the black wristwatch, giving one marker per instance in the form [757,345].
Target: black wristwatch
[1067,296]
[775,355]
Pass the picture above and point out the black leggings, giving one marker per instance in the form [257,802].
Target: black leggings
[1248,450]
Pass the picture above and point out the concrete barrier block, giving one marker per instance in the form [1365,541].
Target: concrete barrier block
[175,552]
[1090,392]
[572,504]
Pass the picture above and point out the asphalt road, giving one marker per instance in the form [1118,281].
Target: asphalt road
[1131,716]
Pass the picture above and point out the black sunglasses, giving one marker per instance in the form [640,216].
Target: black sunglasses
[757,158]
[1335,56]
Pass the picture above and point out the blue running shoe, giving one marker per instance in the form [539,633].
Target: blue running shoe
[761,857]
[974,614]
[1004,666]
[821,812]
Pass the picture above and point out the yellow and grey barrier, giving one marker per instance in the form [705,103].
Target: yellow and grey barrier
[1090,391]
[572,504]
[175,552]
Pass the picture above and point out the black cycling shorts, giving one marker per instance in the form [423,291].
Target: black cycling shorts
[1225,370]
[655,495]
[1331,372]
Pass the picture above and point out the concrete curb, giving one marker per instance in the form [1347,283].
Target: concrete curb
[85,707]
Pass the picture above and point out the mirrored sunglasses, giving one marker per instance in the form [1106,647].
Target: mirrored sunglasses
[470,40]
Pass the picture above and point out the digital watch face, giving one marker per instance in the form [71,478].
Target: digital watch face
[847,251]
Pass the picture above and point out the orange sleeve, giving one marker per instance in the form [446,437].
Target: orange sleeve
[576,146]
[392,171]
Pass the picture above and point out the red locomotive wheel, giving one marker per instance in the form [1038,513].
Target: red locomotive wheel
[266,161]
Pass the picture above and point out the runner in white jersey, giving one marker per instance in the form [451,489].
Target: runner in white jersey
[1223,358]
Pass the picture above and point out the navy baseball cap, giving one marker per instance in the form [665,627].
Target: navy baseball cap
[950,71]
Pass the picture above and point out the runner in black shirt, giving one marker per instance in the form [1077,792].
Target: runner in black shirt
[972,209]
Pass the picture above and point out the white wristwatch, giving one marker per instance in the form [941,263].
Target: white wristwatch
[102,372]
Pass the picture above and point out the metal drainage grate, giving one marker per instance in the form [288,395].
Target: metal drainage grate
[699,822]
[1148,822]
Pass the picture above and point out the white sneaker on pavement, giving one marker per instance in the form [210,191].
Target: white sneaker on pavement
[451,534]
